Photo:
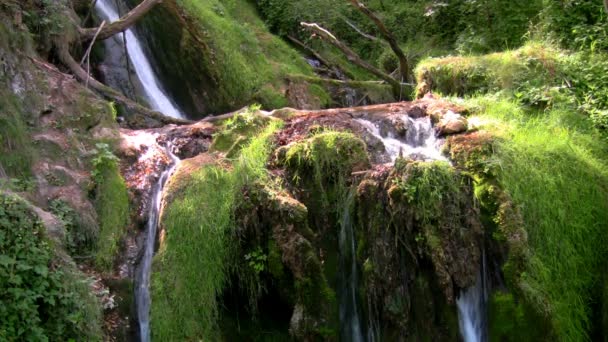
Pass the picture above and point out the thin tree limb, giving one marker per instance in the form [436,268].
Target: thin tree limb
[87,54]
[66,58]
[360,32]
[312,52]
[350,54]
[124,43]
[88,51]
[404,66]
[121,24]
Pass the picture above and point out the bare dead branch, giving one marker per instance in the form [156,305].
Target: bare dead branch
[87,54]
[121,24]
[350,54]
[359,31]
[404,67]
[310,51]
[66,58]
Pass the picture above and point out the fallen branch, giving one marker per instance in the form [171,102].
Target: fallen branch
[66,58]
[87,54]
[121,24]
[350,54]
[348,83]
[359,31]
[404,67]
[310,51]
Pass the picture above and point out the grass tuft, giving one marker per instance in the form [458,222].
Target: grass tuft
[194,263]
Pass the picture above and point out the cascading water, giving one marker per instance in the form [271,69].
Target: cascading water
[419,140]
[472,308]
[142,289]
[350,326]
[156,97]
[471,313]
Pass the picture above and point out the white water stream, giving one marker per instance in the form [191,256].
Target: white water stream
[142,288]
[420,139]
[350,323]
[156,97]
[471,313]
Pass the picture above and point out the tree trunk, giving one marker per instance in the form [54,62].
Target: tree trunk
[351,55]
[121,24]
[404,67]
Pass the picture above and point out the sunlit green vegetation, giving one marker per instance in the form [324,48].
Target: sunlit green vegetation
[194,264]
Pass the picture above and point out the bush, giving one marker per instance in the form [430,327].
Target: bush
[41,299]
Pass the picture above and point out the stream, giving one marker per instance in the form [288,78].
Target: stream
[142,280]
[152,88]
[420,141]
[158,100]
[350,323]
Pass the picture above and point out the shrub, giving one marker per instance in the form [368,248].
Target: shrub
[41,298]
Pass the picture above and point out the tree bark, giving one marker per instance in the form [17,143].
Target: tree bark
[350,54]
[404,67]
[606,5]
[121,24]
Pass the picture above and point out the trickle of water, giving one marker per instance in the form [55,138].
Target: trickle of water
[471,312]
[156,97]
[350,325]
[142,289]
[419,140]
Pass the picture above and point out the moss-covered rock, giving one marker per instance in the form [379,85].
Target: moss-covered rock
[321,167]
[219,56]
[417,222]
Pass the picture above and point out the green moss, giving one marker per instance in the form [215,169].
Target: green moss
[555,176]
[112,205]
[225,55]
[238,130]
[193,265]
[42,297]
[534,64]
[512,320]
[16,153]
[323,163]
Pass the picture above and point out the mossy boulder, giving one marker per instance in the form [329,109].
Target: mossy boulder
[218,56]
[321,167]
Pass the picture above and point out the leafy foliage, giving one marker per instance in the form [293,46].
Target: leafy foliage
[40,299]
[78,240]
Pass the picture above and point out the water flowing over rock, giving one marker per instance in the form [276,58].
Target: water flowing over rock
[350,320]
[152,88]
[142,289]
[471,312]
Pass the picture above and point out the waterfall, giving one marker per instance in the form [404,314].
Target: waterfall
[419,140]
[472,308]
[142,288]
[156,97]
[350,326]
